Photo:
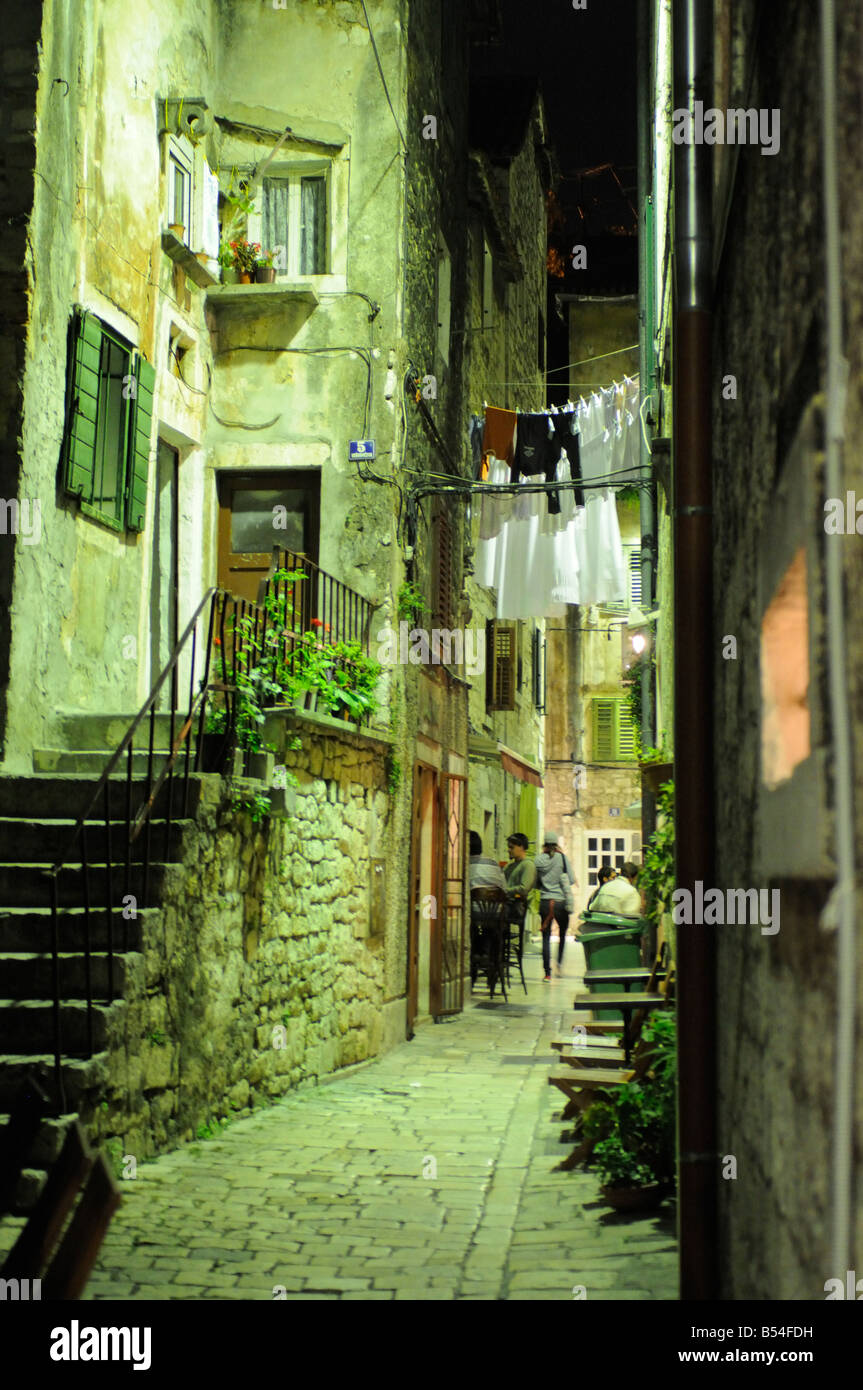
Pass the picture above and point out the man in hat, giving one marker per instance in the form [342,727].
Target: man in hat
[554,879]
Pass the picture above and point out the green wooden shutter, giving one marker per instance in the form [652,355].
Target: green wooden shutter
[138,458]
[79,445]
[625,733]
[603,731]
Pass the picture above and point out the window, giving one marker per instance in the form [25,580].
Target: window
[295,221]
[106,448]
[501,646]
[632,555]
[181,164]
[537,662]
[443,576]
[613,734]
[611,851]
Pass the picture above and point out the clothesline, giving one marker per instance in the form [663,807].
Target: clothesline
[583,362]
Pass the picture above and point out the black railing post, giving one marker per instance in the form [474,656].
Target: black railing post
[109,925]
[88,966]
[60,1097]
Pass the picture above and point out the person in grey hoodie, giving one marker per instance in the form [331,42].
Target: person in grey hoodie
[554,879]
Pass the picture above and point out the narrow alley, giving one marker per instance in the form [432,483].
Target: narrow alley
[441,1184]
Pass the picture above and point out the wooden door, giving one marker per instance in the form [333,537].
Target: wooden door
[258,511]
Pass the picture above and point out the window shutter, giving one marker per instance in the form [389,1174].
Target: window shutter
[503,659]
[138,458]
[79,448]
[635,577]
[444,586]
[603,731]
[625,733]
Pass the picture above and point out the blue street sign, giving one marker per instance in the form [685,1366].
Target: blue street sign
[360,449]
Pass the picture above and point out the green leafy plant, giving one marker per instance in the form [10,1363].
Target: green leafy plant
[254,804]
[410,604]
[657,870]
[217,720]
[266,258]
[353,680]
[157,1038]
[393,769]
[639,1121]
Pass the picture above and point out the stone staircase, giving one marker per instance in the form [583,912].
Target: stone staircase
[37,816]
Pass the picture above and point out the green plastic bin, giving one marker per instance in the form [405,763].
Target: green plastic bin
[611,943]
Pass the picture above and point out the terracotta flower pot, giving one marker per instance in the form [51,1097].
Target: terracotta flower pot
[245,277]
[638,1198]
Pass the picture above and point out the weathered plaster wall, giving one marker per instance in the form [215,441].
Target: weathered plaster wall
[777,994]
[264,928]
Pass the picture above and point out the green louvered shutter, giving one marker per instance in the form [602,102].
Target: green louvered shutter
[603,731]
[79,449]
[141,429]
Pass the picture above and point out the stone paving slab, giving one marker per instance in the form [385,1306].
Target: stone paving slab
[427,1175]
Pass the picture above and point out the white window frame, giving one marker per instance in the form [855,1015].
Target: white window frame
[180,151]
[632,552]
[632,851]
[294,174]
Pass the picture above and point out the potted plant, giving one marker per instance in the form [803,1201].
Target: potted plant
[245,259]
[265,271]
[354,681]
[636,1159]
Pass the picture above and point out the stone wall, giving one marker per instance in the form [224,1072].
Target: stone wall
[264,966]
[777,993]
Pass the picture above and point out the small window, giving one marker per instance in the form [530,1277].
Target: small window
[443,577]
[632,556]
[181,199]
[613,734]
[295,222]
[500,665]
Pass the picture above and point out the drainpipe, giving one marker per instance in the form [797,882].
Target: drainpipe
[842,1177]
[693,619]
[646,375]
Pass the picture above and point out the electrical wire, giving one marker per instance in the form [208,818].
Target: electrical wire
[381,71]
[600,356]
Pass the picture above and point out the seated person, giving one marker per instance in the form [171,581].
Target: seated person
[620,895]
[483,872]
[520,872]
[604,875]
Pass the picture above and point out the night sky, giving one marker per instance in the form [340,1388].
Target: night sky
[585,60]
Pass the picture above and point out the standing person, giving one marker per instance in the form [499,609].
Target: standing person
[621,896]
[482,871]
[555,897]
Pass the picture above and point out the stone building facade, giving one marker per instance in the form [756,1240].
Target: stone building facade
[348,155]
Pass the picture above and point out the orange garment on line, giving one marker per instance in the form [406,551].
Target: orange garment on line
[499,435]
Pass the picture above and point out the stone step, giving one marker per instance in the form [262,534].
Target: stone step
[92,762]
[69,796]
[28,1024]
[30,1184]
[101,731]
[29,929]
[31,842]
[48,1142]
[30,975]
[83,1078]
[29,885]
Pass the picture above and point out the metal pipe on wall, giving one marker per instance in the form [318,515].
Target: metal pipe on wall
[647,513]
[693,679]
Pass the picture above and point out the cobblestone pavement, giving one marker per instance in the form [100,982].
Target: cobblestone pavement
[428,1174]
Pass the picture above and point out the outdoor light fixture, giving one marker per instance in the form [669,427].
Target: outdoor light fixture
[636,636]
